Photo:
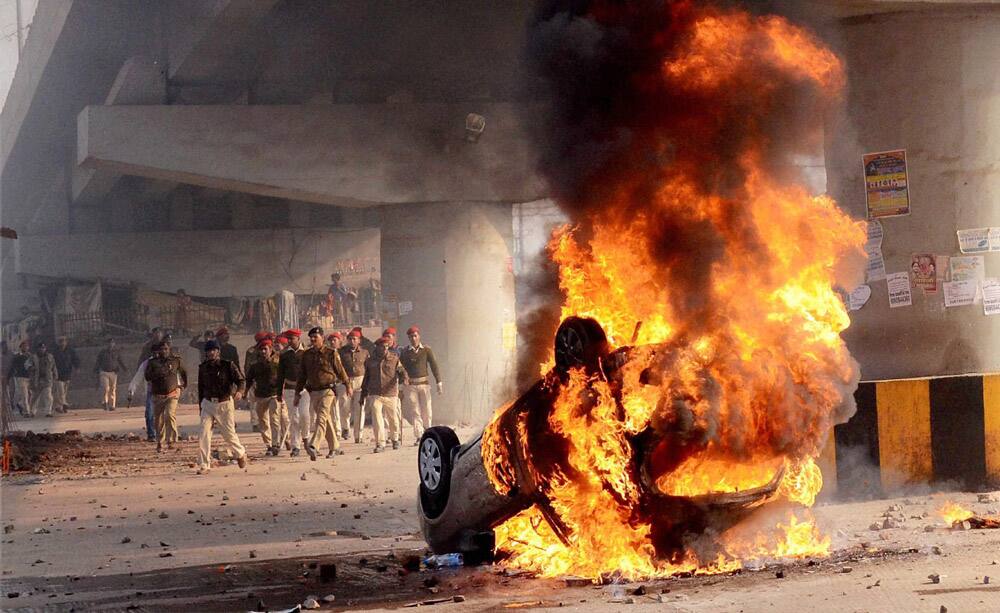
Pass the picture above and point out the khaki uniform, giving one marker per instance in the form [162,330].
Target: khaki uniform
[262,376]
[320,371]
[108,364]
[381,390]
[167,378]
[417,394]
[45,376]
[354,365]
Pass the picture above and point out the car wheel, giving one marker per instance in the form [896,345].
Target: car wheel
[434,468]
[580,342]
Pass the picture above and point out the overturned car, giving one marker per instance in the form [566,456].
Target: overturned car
[466,490]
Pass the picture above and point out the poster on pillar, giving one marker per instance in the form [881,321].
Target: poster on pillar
[887,191]
[923,267]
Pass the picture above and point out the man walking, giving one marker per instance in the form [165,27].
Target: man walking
[380,390]
[66,362]
[227,351]
[353,357]
[262,378]
[167,379]
[319,373]
[107,366]
[220,383]
[249,357]
[417,358]
[155,337]
[288,372]
[342,403]
[45,376]
[21,371]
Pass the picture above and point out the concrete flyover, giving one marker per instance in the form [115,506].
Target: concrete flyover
[344,154]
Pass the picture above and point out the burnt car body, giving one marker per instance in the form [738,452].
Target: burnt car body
[460,500]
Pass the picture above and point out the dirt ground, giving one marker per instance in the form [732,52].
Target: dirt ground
[96,520]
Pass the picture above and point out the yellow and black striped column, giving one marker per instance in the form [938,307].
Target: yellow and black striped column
[920,431]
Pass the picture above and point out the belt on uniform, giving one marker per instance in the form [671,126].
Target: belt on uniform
[217,400]
[419,380]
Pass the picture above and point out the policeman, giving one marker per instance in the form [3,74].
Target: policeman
[319,373]
[248,359]
[220,384]
[353,357]
[167,379]
[45,375]
[380,390]
[108,365]
[417,358]
[288,372]
[66,362]
[342,404]
[262,378]
[22,371]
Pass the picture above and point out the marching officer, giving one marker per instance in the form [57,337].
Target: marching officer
[380,390]
[220,384]
[319,372]
[167,379]
[289,365]
[262,378]
[353,357]
[417,358]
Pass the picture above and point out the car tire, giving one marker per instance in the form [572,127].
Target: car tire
[580,342]
[434,468]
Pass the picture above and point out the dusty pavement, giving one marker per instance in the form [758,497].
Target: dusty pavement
[110,525]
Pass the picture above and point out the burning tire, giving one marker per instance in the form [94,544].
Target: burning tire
[434,466]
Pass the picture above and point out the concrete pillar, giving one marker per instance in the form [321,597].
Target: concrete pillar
[453,262]
[925,81]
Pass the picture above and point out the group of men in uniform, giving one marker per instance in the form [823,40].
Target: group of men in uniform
[301,396]
[40,379]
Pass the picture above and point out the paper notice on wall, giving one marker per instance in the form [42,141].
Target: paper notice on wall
[974,240]
[859,297]
[960,293]
[509,335]
[991,296]
[994,236]
[886,189]
[873,247]
[923,267]
[898,284]
[405,308]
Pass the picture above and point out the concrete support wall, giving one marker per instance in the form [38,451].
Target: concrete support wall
[454,263]
[206,263]
[926,82]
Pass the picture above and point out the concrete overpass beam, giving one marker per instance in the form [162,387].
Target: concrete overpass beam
[346,155]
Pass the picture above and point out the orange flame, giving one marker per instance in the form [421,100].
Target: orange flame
[953,512]
[760,368]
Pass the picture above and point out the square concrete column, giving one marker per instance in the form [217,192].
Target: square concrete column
[453,261]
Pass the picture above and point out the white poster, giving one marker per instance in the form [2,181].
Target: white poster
[974,240]
[994,238]
[873,247]
[898,284]
[859,297]
[960,293]
[991,296]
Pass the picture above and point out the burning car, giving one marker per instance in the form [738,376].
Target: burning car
[466,490]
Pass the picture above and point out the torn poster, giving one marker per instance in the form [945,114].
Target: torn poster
[974,240]
[960,293]
[994,236]
[886,189]
[923,267]
[898,284]
[991,296]
[968,268]
[873,247]
[859,297]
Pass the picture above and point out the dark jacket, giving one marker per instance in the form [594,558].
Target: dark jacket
[382,377]
[289,364]
[66,362]
[320,369]
[219,379]
[416,362]
[110,360]
[165,374]
[229,352]
[45,369]
[262,375]
[353,361]
[22,365]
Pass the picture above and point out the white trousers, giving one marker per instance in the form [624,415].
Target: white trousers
[342,408]
[60,391]
[417,401]
[299,418]
[42,403]
[224,414]
[22,393]
[109,389]
[382,409]
[357,409]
